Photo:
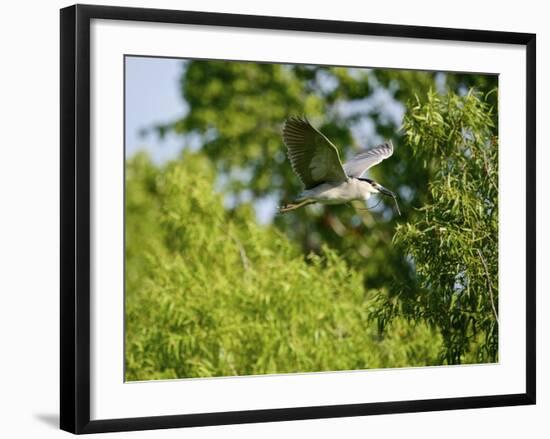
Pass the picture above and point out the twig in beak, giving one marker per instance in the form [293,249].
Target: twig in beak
[396,205]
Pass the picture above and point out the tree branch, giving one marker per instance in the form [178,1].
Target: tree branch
[489,284]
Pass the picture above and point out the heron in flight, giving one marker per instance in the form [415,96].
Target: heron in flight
[315,160]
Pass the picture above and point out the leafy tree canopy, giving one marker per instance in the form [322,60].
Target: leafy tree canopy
[453,240]
[212,293]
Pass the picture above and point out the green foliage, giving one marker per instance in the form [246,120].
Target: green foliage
[209,292]
[453,241]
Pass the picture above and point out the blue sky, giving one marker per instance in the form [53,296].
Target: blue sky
[153,97]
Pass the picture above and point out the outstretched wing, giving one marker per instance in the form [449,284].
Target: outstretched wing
[312,156]
[357,166]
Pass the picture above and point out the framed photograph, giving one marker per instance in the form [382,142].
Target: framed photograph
[275,218]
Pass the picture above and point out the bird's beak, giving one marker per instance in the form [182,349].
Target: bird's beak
[389,193]
[385,191]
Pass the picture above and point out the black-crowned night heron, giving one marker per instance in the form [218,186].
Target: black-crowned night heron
[315,160]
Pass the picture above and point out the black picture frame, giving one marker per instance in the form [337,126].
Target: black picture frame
[75,217]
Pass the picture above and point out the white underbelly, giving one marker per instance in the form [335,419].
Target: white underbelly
[330,193]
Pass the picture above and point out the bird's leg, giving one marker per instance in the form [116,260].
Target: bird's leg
[290,206]
[366,208]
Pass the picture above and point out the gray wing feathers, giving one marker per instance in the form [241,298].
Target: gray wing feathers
[312,156]
[357,166]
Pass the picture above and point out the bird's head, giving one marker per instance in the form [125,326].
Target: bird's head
[382,190]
